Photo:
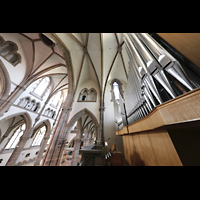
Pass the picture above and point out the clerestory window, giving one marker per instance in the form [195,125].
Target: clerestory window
[42,87]
[16,137]
[39,136]
[116,90]
[57,99]
[87,95]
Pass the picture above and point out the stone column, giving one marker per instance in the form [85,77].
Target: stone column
[22,141]
[100,139]
[85,138]
[53,155]
[77,144]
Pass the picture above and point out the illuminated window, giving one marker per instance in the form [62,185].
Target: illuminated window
[57,99]
[116,90]
[42,87]
[39,136]
[74,126]
[16,137]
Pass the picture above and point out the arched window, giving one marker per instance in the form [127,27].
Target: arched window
[8,50]
[116,90]
[50,113]
[57,99]
[35,107]
[16,137]
[87,95]
[39,136]
[46,112]
[83,95]
[42,87]
[74,127]
[118,102]
[29,104]
[92,95]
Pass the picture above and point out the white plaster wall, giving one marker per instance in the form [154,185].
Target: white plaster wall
[5,155]
[92,106]
[17,73]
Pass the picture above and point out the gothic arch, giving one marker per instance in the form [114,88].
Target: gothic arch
[83,95]
[78,115]
[4,81]
[8,50]
[92,94]
[46,123]
[119,84]
[25,115]
[25,118]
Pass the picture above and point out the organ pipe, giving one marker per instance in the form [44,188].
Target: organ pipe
[148,83]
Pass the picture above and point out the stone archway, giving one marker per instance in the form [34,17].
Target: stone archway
[5,83]
[55,154]
[79,135]
[23,139]
[77,116]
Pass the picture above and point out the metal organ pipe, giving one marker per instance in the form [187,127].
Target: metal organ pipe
[166,60]
[148,60]
[146,77]
[139,72]
[152,64]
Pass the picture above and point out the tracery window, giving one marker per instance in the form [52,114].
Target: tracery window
[29,104]
[8,50]
[92,95]
[118,102]
[116,90]
[39,136]
[57,99]
[16,137]
[83,95]
[41,88]
[50,113]
[87,95]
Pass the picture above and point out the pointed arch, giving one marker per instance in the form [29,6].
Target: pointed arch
[119,85]
[24,119]
[78,115]
[44,122]
[83,95]
[92,95]
[25,115]
[5,82]
[39,134]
